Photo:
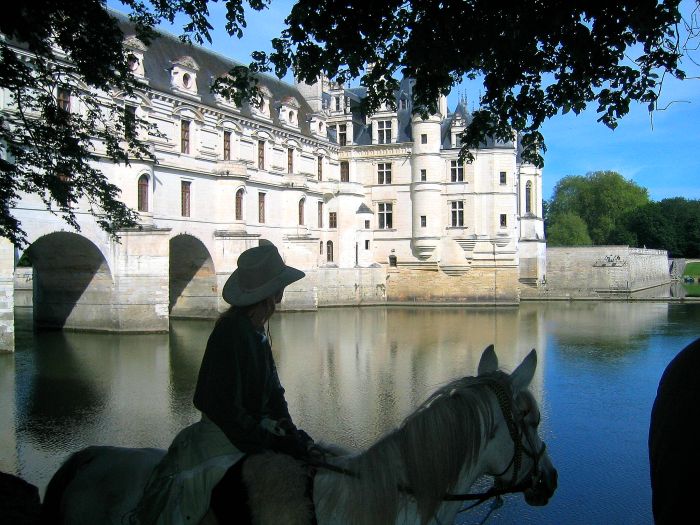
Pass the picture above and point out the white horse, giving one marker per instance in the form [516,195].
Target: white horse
[417,474]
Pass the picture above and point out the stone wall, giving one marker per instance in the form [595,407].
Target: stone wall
[337,287]
[477,286]
[605,269]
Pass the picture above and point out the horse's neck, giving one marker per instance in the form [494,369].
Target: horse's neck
[337,512]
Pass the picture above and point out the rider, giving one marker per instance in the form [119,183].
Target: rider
[238,388]
[241,399]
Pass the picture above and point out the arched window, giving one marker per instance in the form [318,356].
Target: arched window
[329,251]
[143,193]
[528,197]
[239,205]
[301,211]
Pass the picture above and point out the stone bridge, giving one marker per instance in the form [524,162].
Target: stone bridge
[83,280]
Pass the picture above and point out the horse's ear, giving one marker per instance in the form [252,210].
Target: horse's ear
[488,362]
[522,375]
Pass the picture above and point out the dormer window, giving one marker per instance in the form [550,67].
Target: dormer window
[183,75]
[135,49]
[317,125]
[261,106]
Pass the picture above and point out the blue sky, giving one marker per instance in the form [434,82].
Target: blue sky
[661,156]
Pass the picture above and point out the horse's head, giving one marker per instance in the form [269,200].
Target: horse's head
[516,456]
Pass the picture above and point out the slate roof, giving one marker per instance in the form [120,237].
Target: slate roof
[364,209]
[166,48]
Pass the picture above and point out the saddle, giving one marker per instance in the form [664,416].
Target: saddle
[265,489]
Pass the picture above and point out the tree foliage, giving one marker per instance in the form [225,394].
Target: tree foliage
[602,199]
[71,50]
[670,224]
[536,59]
[568,230]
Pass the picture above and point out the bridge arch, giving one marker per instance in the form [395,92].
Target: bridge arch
[73,284]
[193,285]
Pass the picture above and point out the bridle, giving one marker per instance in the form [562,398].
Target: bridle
[505,402]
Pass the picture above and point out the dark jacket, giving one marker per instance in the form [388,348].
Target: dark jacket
[238,384]
[673,443]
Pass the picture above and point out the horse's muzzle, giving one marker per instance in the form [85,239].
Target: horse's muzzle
[543,487]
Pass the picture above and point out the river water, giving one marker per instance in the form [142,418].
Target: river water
[352,374]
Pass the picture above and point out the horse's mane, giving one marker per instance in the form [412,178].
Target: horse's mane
[425,455]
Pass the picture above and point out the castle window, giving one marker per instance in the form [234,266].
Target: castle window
[504,220]
[423,138]
[384,173]
[227,145]
[329,251]
[366,244]
[129,121]
[63,99]
[319,168]
[320,247]
[344,171]
[385,215]
[301,211]
[261,208]
[337,103]
[133,63]
[366,225]
[142,204]
[342,134]
[185,196]
[239,205]
[457,214]
[423,175]
[320,214]
[528,197]
[185,136]
[384,131]
[456,171]
[261,154]
[332,220]
[502,177]
[290,160]
[423,221]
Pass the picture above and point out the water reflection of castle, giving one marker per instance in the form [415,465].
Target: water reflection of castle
[371,367]
[351,374]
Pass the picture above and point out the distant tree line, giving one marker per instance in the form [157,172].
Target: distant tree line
[603,207]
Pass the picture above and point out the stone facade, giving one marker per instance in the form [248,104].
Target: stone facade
[7,328]
[375,208]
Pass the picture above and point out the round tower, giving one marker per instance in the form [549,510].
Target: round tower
[427,173]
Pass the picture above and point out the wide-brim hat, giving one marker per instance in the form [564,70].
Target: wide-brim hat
[261,273]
